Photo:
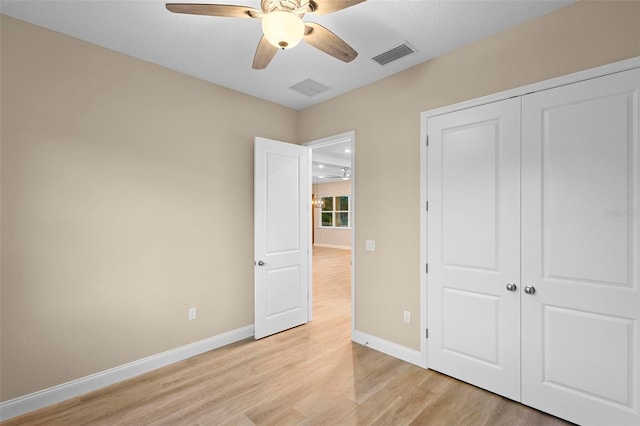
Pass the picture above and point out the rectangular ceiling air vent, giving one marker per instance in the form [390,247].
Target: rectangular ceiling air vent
[394,54]
[309,87]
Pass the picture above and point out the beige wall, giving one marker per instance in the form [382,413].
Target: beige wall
[127,194]
[386,120]
[127,188]
[328,236]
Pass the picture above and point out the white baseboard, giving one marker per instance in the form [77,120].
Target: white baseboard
[332,246]
[392,349]
[34,401]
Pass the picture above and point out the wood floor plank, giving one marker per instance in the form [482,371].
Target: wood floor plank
[392,397]
[339,411]
[412,400]
[239,420]
[312,374]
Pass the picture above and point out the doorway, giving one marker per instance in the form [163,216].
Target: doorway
[333,218]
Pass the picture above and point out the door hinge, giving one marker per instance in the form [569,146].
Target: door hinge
[426,333]
[427,206]
[427,140]
[426,268]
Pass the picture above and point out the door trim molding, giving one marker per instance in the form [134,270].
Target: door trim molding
[317,143]
[588,74]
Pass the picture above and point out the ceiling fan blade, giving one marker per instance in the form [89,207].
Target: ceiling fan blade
[264,54]
[226,10]
[322,7]
[323,39]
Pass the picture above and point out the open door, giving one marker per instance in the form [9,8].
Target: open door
[281,236]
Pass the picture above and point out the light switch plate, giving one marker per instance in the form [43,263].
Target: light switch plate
[371,245]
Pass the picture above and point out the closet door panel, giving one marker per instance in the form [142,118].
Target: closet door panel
[580,250]
[473,245]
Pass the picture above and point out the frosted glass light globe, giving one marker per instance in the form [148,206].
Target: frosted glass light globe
[283,29]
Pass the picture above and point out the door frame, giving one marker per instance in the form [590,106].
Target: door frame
[588,74]
[317,143]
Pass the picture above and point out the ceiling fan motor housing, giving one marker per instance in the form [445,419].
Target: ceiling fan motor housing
[299,7]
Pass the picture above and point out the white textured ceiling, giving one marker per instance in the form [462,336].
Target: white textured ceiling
[330,162]
[220,50]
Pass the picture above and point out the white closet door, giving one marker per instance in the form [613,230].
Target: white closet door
[474,246]
[580,250]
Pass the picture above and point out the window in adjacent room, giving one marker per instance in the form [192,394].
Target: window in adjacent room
[335,212]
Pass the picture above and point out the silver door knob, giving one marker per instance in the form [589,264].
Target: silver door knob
[511,287]
[529,289]
[260,263]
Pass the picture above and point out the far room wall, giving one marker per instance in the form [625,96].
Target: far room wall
[332,237]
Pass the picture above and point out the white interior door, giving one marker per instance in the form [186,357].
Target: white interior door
[473,236]
[282,232]
[580,250]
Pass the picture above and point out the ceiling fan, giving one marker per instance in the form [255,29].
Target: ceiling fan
[346,175]
[282,25]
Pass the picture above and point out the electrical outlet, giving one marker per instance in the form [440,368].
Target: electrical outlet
[407,317]
[371,245]
[193,313]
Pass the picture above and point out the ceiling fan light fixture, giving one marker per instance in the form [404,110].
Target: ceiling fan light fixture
[283,29]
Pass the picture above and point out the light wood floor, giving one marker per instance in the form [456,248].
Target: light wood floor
[312,374]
